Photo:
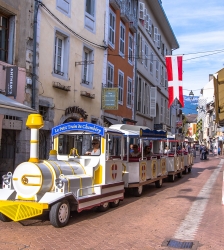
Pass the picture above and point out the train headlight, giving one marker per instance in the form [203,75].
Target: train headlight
[59,183]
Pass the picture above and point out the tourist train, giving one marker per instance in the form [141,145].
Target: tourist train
[74,178]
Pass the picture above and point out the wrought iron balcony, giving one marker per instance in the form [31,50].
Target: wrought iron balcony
[116,4]
[125,12]
[133,24]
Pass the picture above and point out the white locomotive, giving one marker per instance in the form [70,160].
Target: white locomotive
[75,182]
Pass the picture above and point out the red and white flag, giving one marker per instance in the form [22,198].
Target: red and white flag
[174,66]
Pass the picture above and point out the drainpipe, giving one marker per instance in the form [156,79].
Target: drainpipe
[34,55]
[136,76]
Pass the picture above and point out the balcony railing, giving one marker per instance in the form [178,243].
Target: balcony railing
[115,4]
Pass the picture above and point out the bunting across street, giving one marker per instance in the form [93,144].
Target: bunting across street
[174,66]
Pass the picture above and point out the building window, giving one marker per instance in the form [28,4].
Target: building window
[90,15]
[130,49]
[122,39]
[129,92]
[64,6]
[162,75]
[157,69]
[162,117]
[110,75]
[7,30]
[112,22]
[151,63]
[61,52]
[139,94]
[44,112]
[87,70]
[146,54]
[120,86]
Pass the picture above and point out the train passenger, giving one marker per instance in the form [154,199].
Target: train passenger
[96,148]
[131,148]
[135,152]
[147,151]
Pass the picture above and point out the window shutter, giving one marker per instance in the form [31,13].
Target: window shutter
[147,22]
[148,100]
[143,49]
[150,26]
[162,111]
[158,41]
[153,101]
[155,34]
[141,10]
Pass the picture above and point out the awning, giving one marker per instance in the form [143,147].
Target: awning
[110,120]
[11,107]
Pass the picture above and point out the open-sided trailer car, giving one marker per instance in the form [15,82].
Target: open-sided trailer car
[142,170]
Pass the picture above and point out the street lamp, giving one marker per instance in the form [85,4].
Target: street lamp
[191,94]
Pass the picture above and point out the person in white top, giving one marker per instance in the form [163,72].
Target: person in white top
[96,148]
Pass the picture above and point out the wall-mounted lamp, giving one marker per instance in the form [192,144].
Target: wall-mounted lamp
[191,95]
[201,109]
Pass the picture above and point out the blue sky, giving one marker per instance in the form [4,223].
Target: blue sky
[198,27]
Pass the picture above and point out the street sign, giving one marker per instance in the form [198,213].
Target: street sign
[110,98]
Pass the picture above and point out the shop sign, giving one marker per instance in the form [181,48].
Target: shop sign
[76,109]
[11,81]
[110,98]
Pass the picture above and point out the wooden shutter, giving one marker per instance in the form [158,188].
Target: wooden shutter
[153,94]
[155,34]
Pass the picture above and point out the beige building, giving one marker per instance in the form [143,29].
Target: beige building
[70,57]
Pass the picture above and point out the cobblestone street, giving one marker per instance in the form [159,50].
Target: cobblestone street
[138,223]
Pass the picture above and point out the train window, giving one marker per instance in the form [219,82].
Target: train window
[83,143]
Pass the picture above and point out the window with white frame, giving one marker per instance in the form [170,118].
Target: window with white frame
[161,75]
[87,70]
[112,22]
[120,86]
[64,6]
[139,47]
[157,69]
[139,94]
[129,92]
[61,55]
[151,63]
[162,110]
[110,75]
[146,54]
[166,82]
[122,39]
[90,15]
[130,49]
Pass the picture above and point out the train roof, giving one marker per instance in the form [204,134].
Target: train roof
[132,130]
[83,127]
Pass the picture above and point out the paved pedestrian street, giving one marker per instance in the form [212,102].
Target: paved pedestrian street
[187,211]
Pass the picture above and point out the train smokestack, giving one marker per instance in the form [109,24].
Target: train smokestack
[34,122]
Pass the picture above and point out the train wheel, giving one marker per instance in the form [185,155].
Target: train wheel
[185,170]
[171,177]
[179,175]
[4,218]
[159,183]
[59,214]
[103,207]
[115,203]
[138,191]
[189,169]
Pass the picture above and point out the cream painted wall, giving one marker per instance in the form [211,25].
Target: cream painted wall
[47,25]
